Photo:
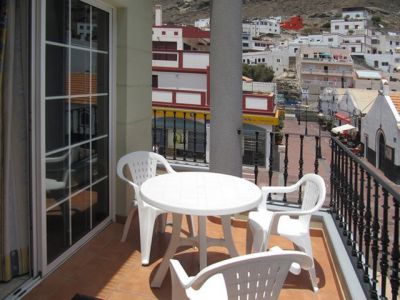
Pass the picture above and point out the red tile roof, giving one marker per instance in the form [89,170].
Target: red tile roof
[396,100]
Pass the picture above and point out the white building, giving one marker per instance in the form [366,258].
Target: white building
[367,79]
[203,24]
[325,39]
[355,104]
[328,100]
[345,27]
[393,42]
[250,43]
[380,134]
[263,26]
[278,60]
[385,62]
[355,13]
[319,67]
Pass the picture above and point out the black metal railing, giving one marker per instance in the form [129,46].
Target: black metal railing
[365,206]
[182,136]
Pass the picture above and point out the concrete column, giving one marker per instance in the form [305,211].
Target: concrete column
[226,87]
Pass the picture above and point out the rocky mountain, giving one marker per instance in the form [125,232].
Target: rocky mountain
[314,12]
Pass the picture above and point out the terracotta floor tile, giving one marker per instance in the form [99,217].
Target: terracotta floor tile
[109,269]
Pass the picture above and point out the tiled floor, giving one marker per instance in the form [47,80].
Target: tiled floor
[108,269]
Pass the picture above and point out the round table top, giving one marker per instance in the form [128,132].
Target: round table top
[200,193]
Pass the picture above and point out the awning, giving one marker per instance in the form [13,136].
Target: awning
[343,117]
[342,128]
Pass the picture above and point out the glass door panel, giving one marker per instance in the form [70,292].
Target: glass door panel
[77,106]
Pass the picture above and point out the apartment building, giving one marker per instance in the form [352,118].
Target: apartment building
[277,59]
[320,67]
[346,26]
[250,43]
[355,13]
[263,26]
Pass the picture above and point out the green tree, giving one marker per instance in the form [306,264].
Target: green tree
[259,72]
[376,20]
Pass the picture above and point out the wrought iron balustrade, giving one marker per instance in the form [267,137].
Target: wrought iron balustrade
[365,206]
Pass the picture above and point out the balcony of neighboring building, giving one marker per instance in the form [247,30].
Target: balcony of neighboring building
[326,71]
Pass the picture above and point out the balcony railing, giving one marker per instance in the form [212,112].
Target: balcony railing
[365,206]
[362,202]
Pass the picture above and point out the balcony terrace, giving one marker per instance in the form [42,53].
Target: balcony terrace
[105,268]
[355,236]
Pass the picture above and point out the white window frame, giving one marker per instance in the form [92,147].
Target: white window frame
[38,135]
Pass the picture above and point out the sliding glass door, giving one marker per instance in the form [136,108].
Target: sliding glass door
[76,123]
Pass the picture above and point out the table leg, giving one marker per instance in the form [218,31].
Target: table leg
[174,243]
[202,236]
[226,226]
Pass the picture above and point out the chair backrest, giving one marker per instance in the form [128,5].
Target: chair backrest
[254,276]
[142,165]
[314,194]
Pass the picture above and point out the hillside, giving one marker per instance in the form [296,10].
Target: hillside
[314,12]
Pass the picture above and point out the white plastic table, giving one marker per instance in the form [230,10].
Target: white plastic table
[199,194]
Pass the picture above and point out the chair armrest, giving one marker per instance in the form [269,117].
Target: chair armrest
[179,280]
[279,189]
[266,190]
[293,213]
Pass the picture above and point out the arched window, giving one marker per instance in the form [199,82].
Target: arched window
[380,153]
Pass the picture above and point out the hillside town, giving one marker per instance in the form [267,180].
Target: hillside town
[346,75]
[199,149]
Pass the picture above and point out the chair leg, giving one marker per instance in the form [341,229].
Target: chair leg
[146,220]
[249,239]
[305,245]
[127,224]
[259,240]
[162,223]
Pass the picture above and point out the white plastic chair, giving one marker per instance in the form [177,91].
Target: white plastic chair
[251,276]
[294,224]
[142,165]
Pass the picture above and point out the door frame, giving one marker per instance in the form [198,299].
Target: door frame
[38,137]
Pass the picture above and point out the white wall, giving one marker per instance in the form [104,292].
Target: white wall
[182,81]
[372,84]
[196,60]
[169,35]
[382,59]
[360,14]
[277,60]
[381,116]
[133,84]
[264,26]
[342,24]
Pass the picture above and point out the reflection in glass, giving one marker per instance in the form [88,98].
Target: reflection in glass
[80,119]
[57,223]
[57,21]
[80,167]
[99,73]
[80,68]
[100,36]
[100,159]
[56,124]
[56,71]
[57,177]
[80,24]
[100,115]
[100,202]
[80,215]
